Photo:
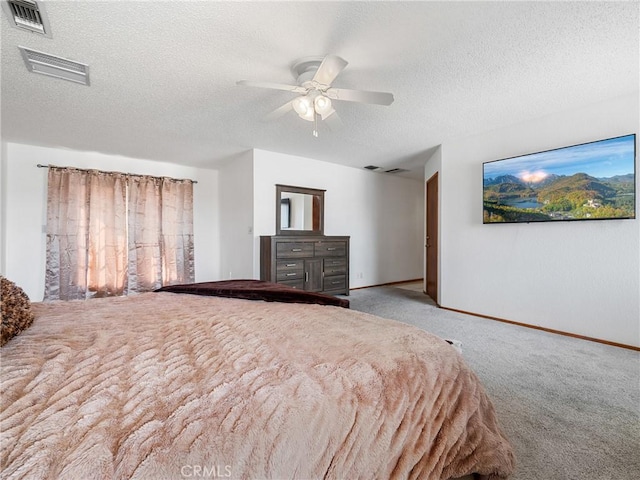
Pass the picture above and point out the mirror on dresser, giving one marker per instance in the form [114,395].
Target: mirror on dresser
[300,255]
[299,210]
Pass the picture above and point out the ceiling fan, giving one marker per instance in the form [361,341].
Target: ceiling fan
[314,77]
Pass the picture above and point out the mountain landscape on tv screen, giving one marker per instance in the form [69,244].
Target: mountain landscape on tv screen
[508,198]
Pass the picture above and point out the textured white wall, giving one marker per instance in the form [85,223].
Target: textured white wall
[236,217]
[3,205]
[382,214]
[25,208]
[578,277]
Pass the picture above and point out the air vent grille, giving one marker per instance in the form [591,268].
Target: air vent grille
[56,61]
[27,15]
[391,171]
[58,67]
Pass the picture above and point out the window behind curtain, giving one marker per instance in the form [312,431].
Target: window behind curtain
[111,234]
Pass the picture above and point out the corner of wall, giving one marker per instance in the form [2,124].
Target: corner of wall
[236,200]
[3,206]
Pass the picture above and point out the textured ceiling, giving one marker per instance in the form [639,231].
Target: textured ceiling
[163,74]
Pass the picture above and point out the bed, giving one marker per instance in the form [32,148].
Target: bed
[166,385]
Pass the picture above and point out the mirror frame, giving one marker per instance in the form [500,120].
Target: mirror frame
[308,191]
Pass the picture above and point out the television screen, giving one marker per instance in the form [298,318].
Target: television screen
[590,181]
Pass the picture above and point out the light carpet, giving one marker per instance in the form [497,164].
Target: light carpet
[570,407]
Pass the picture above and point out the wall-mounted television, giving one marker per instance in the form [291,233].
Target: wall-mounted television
[590,181]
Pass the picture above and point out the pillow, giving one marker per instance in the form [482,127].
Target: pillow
[15,310]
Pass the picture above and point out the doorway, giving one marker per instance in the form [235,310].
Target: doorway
[431,241]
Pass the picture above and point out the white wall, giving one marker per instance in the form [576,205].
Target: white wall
[382,214]
[24,213]
[579,277]
[236,217]
[3,205]
[233,206]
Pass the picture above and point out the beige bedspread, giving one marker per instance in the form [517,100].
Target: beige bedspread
[163,385]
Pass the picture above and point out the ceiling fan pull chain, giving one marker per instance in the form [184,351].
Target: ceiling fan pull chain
[315,123]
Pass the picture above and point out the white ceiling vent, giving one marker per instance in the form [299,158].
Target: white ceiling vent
[39,62]
[27,15]
[374,168]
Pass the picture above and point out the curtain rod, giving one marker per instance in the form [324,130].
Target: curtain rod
[40,165]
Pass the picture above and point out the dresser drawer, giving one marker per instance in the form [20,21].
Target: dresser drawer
[336,282]
[335,266]
[330,249]
[292,269]
[299,284]
[289,275]
[294,249]
[288,265]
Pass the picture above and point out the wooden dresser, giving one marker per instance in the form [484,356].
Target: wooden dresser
[313,263]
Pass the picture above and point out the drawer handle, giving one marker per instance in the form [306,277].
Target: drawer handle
[331,249]
[292,274]
[335,283]
[291,264]
[296,249]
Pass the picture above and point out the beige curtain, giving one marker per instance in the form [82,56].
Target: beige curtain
[177,231]
[86,234]
[160,233]
[145,226]
[100,244]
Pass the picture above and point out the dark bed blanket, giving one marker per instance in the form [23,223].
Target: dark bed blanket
[256,290]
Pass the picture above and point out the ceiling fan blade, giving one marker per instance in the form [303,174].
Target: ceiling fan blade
[279,112]
[362,96]
[274,86]
[332,120]
[329,69]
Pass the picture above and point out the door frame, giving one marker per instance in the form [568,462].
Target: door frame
[431,247]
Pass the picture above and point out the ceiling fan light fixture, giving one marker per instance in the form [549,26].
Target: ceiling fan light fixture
[309,116]
[304,107]
[322,104]
[301,105]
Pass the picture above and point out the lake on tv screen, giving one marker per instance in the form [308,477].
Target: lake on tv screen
[590,181]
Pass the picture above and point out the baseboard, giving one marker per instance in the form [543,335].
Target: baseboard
[545,329]
[512,322]
[388,284]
